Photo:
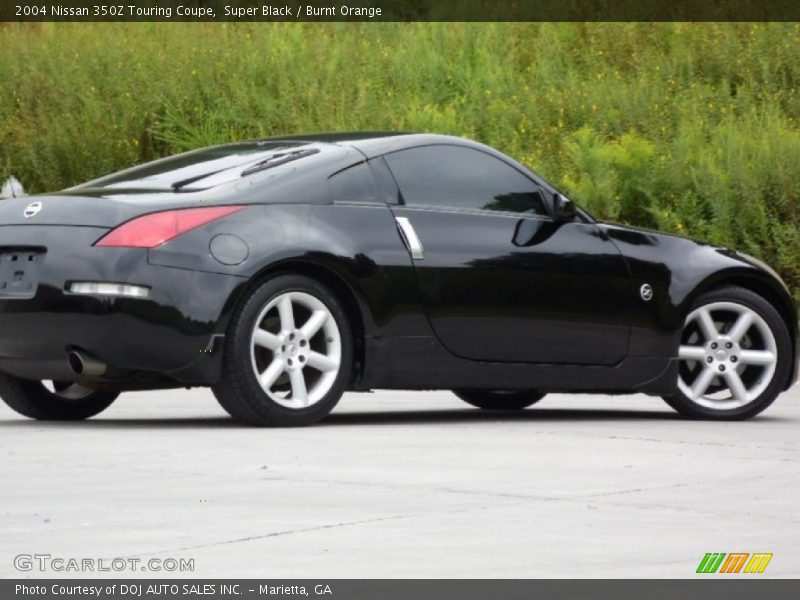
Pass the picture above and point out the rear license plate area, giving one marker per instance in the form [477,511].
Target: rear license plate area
[19,272]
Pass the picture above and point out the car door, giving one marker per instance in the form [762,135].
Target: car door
[500,280]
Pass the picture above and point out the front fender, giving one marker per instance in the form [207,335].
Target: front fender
[680,270]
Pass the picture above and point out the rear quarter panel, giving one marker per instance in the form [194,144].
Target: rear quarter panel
[359,244]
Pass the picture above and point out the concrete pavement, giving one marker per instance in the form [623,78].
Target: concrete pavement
[398,484]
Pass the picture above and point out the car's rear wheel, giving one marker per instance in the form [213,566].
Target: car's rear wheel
[499,399]
[735,356]
[54,401]
[288,354]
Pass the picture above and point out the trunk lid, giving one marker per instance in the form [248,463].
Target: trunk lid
[86,208]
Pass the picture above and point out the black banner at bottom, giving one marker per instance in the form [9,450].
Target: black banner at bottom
[732,588]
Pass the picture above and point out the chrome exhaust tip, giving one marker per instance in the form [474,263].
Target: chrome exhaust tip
[83,364]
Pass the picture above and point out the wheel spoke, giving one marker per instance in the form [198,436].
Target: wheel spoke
[314,323]
[265,339]
[71,391]
[736,386]
[702,382]
[286,313]
[320,362]
[273,371]
[707,324]
[741,326]
[756,357]
[692,353]
[299,391]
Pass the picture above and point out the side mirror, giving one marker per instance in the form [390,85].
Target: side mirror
[565,209]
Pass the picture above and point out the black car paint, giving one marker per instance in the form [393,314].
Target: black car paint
[570,286]
[500,301]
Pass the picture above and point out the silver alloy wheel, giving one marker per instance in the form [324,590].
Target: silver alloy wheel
[296,364]
[68,390]
[729,355]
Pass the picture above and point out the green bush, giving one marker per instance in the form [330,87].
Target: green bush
[690,128]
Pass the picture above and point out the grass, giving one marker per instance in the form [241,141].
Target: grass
[690,128]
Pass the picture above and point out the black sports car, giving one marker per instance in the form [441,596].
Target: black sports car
[283,272]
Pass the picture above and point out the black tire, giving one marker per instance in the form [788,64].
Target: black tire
[691,409]
[239,391]
[498,399]
[32,399]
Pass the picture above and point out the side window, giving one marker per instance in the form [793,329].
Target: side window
[354,184]
[458,177]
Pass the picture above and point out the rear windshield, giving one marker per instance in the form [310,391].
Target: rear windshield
[201,169]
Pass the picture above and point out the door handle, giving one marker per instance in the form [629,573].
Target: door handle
[410,238]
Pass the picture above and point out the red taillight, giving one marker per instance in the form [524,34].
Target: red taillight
[154,229]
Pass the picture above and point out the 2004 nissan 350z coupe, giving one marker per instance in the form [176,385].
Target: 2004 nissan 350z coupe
[283,272]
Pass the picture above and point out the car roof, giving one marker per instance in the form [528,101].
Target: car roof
[375,143]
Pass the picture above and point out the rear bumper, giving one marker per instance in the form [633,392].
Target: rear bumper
[168,335]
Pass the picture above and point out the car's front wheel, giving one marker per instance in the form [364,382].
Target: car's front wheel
[499,399]
[53,401]
[735,356]
[288,354]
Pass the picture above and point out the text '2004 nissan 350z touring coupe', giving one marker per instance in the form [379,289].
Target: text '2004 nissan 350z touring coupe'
[283,272]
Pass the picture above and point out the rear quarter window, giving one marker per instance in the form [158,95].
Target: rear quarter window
[354,184]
